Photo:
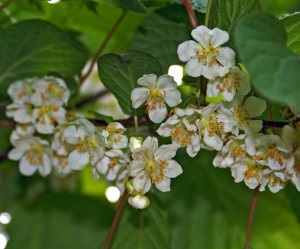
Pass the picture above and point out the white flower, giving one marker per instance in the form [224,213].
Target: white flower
[61,165]
[249,172]
[207,57]
[21,91]
[47,116]
[153,164]
[139,201]
[21,113]
[270,150]
[182,127]
[233,152]
[114,136]
[234,81]
[111,163]
[22,131]
[49,90]
[155,93]
[34,155]
[242,112]
[214,126]
[292,136]
[89,144]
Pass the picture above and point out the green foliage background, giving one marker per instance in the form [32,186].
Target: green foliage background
[205,208]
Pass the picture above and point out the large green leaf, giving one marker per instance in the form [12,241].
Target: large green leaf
[161,33]
[209,210]
[261,41]
[119,74]
[35,48]
[292,26]
[143,229]
[66,221]
[225,14]
[134,5]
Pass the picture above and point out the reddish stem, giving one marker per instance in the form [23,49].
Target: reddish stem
[5,4]
[115,220]
[191,14]
[251,217]
[103,45]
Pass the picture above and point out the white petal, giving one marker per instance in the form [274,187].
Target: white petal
[159,113]
[173,98]
[148,80]
[45,169]
[213,141]
[202,34]
[219,37]
[165,152]
[136,167]
[173,169]
[151,143]
[78,160]
[26,168]
[194,147]
[15,154]
[186,50]
[212,90]
[102,165]
[166,83]
[138,96]
[141,183]
[226,57]
[164,185]
[194,68]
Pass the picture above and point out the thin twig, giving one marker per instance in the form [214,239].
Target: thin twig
[92,98]
[191,14]
[103,45]
[7,123]
[251,216]
[115,220]
[5,4]
[273,124]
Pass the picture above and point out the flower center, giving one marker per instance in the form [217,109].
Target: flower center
[181,135]
[208,56]
[272,153]
[155,97]
[240,114]
[154,169]
[228,84]
[87,145]
[251,172]
[35,155]
[237,151]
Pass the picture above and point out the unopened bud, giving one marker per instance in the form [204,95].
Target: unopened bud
[139,201]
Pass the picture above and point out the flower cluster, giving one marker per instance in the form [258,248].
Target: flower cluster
[37,108]
[228,126]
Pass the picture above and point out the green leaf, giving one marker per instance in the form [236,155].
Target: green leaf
[36,48]
[119,74]
[225,14]
[134,5]
[261,42]
[161,33]
[207,209]
[65,221]
[143,229]
[292,26]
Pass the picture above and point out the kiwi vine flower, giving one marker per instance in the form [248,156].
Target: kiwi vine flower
[182,127]
[156,93]
[34,155]
[88,141]
[206,56]
[153,165]
[234,81]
